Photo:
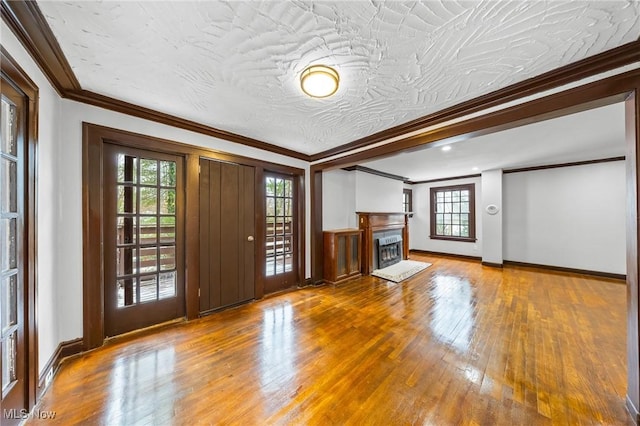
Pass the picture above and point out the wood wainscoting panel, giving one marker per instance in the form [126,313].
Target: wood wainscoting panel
[457,343]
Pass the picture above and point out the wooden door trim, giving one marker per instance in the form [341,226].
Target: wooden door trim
[301,218]
[94,136]
[15,74]
[632,137]
[260,240]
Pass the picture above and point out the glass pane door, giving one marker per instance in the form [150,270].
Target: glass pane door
[143,249]
[9,228]
[146,230]
[280,232]
[13,252]
[279,225]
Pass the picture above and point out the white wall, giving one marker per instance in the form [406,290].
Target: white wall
[377,194]
[59,197]
[346,192]
[571,217]
[51,210]
[491,223]
[338,200]
[419,226]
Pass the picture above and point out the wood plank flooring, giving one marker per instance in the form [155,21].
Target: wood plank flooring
[459,343]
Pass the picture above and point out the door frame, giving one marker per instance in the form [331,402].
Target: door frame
[15,74]
[93,138]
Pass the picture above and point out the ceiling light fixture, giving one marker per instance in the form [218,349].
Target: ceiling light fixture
[319,81]
[446,148]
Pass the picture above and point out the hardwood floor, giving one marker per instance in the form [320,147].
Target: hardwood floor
[459,343]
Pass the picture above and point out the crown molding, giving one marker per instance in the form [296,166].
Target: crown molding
[29,25]
[117,105]
[522,169]
[559,165]
[444,179]
[375,172]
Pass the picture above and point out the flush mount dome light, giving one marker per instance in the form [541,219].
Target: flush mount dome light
[319,81]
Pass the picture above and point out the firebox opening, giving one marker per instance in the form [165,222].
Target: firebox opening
[389,250]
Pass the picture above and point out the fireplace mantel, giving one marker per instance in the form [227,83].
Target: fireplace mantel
[371,222]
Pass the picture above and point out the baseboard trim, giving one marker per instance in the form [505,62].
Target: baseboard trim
[632,410]
[441,254]
[64,350]
[617,277]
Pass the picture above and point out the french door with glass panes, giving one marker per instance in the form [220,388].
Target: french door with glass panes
[143,235]
[281,257]
[13,255]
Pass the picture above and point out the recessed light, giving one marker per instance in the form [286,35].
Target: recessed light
[474,169]
[446,148]
[319,81]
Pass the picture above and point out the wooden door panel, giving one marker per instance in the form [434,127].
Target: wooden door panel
[227,219]
[205,239]
[247,234]
[229,234]
[210,259]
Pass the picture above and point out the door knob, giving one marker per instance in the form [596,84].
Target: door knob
[250,238]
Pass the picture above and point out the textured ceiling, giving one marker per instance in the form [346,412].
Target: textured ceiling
[235,65]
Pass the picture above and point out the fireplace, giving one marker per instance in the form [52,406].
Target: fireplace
[389,250]
[376,225]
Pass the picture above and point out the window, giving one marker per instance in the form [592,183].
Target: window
[453,213]
[279,224]
[407,202]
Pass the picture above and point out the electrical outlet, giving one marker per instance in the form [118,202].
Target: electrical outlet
[48,378]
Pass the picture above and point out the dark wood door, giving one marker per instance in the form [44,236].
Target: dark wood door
[227,226]
[13,325]
[143,238]
[281,232]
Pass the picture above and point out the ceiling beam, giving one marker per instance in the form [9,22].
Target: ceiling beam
[606,61]
[593,95]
